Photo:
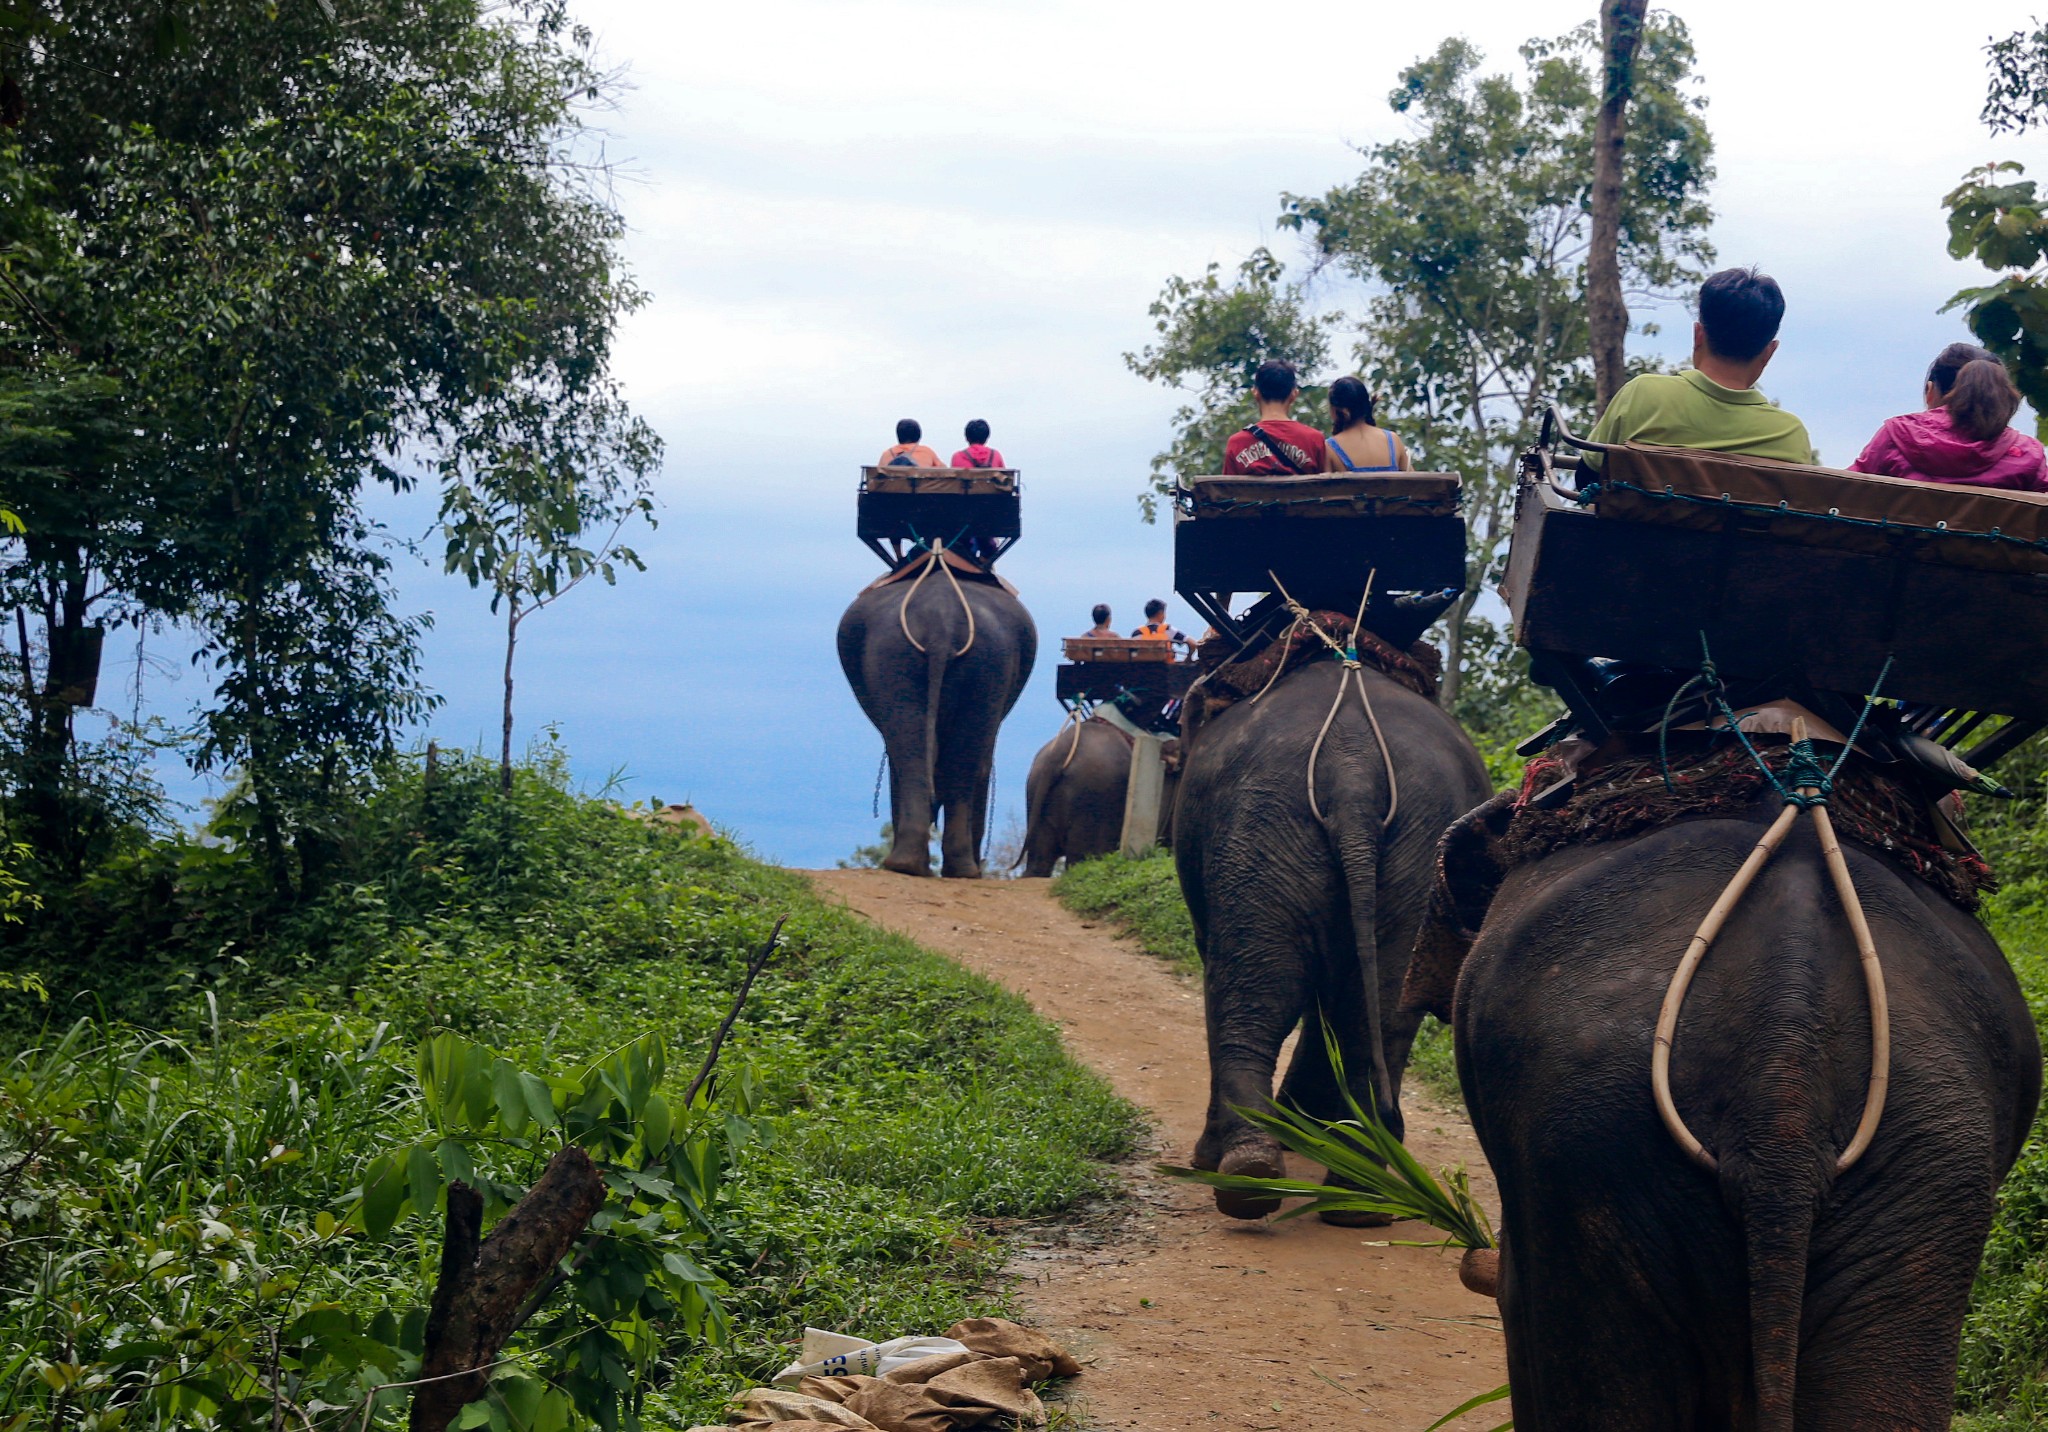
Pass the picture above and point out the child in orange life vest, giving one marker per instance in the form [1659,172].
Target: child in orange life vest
[1156,627]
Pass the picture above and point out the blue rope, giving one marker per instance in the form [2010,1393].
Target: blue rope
[1803,766]
[1664,729]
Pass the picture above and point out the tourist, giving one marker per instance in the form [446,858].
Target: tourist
[1102,630]
[910,450]
[1715,405]
[1275,445]
[1157,628]
[1965,436]
[977,453]
[1356,443]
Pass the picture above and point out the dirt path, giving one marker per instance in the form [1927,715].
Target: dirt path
[1187,1319]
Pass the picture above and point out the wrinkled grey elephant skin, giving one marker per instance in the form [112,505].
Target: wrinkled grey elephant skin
[1306,920]
[1074,796]
[938,711]
[1640,1291]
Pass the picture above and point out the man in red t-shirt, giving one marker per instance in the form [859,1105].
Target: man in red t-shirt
[1275,445]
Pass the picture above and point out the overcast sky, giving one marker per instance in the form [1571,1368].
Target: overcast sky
[849,212]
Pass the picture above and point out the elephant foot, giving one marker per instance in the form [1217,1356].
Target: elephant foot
[1351,1217]
[908,864]
[962,870]
[1250,1161]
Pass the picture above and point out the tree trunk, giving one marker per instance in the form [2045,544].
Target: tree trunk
[1621,26]
[49,815]
[511,645]
[1454,650]
[484,1287]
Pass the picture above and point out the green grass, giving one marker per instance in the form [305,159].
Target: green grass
[1139,897]
[907,1108]
[2003,1378]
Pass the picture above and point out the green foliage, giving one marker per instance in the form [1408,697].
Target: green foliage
[1142,897]
[1999,222]
[1361,1150]
[2018,96]
[261,252]
[1470,237]
[1467,242]
[1212,338]
[484,981]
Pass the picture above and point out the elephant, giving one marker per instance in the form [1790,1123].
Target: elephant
[937,665]
[1299,917]
[1639,1290]
[1074,796]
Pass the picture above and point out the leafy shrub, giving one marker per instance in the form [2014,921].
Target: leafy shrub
[893,1103]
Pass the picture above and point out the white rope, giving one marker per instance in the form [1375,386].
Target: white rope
[1352,675]
[1075,718]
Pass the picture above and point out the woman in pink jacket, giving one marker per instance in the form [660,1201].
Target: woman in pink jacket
[1966,435]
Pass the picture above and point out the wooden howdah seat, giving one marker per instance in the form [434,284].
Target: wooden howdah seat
[967,509]
[1653,555]
[1121,650]
[1321,537]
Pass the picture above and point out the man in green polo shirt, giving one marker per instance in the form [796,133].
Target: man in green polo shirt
[1715,404]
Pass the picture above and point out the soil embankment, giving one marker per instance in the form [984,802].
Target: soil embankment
[1186,1319]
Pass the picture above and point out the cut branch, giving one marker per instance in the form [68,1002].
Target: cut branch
[483,1286]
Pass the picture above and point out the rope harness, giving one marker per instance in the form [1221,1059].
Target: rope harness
[1805,786]
[935,557]
[1350,678]
[1076,720]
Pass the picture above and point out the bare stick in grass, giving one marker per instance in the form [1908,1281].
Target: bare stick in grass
[478,1298]
[754,968]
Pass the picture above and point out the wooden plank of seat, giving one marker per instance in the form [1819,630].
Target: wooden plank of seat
[1337,493]
[952,481]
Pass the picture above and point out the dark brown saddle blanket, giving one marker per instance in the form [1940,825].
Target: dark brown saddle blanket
[1626,796]
[965,570]
[1230,676]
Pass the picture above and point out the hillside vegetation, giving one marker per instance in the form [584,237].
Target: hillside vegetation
[224,1142]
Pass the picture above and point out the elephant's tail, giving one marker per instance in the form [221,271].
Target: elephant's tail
[935,662]
[1034,801]
[1778,1230]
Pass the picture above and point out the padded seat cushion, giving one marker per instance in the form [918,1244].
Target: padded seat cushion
[1953,525]
[959,481]
[1341,494]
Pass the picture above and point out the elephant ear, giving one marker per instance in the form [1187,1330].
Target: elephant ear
[1471,861]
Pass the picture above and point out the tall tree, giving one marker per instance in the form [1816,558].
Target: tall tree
[318,242]
[1621,27]
[1469,240]
[536,500]
[1212,338]
[1997,218]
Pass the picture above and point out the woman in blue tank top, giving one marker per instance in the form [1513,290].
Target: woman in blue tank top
[1355,443]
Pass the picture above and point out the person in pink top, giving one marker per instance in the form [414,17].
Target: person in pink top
[977,453]
[1965,436]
